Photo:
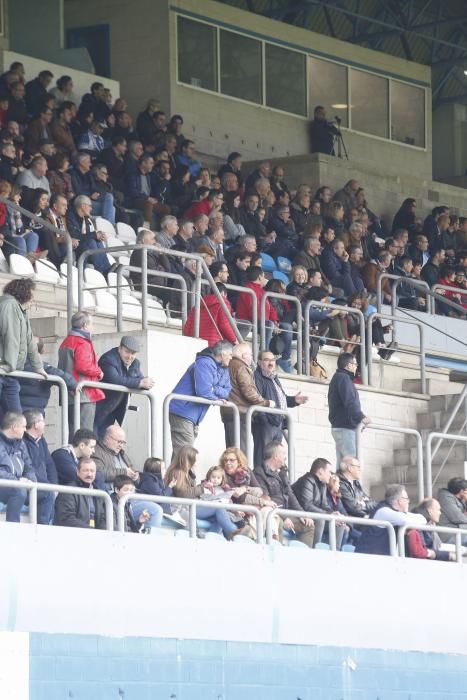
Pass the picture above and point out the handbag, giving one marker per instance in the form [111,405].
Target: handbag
[317,371]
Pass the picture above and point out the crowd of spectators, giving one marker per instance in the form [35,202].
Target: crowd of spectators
[67,162]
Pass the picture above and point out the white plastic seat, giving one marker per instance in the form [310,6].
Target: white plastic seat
[20,265]
[106,303]
[123,258]
[105,225]
[131,308]
[4,267]
[88,299]
[113,241]
[112,282]
[94,279]
[46,272]
[63,281]
[126,233]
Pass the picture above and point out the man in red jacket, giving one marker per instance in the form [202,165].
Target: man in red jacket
[244,309]
[76,356]
[213,323]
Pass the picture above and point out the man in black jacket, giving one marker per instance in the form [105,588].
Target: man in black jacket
[321,133]
[267,428]
[311,492]
[345,412]
[73,510]
[356,502]
[42,462]
[431,271]
[273,479]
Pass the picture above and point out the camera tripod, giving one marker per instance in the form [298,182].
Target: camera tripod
[341,148]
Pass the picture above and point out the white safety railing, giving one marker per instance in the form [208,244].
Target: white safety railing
[284,413]
[429,455]
[298,317]
[200,400]
[455,532]
[402,431]
[63,392]
[33,487]
[192,504]
[397,319]
[105,386]
[333,521]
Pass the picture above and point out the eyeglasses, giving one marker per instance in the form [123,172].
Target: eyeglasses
[405,498]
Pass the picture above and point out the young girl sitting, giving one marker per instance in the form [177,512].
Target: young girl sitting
[215,486]
[151,481]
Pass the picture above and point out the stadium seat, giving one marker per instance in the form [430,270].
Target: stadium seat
[20,265]
[284,264]
[297,543]
[113,242]
[4,267]
[46,272]
[268,263]
[126,233]
[88,299]
[322,545]
[94,279]
[106,226]
[348,548]
[63,281]
[112,283]
[106,303]
[282,276]
[242,539]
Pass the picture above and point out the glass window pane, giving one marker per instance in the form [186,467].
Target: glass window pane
[285,80]
[197,53]
[328,88]
[241,74]
[370,103]
[407,114]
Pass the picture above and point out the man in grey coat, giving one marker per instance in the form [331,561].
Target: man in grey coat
[453,502]
[17,342]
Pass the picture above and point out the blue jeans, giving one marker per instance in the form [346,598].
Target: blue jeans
[218,517]
[15,499]
[346,443]
[9,394]
[104,206]
[25,244]
[45,507]
[101,261]
[154,509]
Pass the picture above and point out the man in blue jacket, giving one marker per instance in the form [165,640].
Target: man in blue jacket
[42,462]
[119,366]
[15,464]
[345,412]
[208,378]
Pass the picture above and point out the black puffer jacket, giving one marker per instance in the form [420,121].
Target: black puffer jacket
[276,485]
[311,493]
[355,500]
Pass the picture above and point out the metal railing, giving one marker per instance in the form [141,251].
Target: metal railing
[285,413]
[254,313]
[461,401]
[62,388]
[394,319]
[417,284]
[402,431]
[192,504]
[201,267]
[332,520]
[298,332]
[343,309]
[105,386]
[429,455]
[34,486]
[431,528]
[200,400]
[69,248]
[437,296]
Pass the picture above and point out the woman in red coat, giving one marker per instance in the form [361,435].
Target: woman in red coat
[213,323]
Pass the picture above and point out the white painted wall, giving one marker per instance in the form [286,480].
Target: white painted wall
[14,664]
[125,585]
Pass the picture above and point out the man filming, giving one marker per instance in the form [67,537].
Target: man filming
[322,133]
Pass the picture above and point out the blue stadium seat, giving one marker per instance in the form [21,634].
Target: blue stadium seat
[297,543]
[348,548]
[322,545]
[242,539]
[282,276]
[284,264]
[268,263]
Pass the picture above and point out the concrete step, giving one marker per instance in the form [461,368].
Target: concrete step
[436,420]
[408,455]
[443,402]
[404,474]
[435,385]
[378,490]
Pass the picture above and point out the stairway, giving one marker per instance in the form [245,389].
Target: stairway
[403,469]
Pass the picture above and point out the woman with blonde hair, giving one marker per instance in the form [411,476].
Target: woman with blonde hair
[245,488]
[182,476]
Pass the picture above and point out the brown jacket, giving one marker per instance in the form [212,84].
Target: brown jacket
[369,274]
[244,392]
[187,488]
[63,138]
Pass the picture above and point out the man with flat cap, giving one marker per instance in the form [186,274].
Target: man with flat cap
[119,366]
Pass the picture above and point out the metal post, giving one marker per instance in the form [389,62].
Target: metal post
[77,410]
[192,520]
[33,504]
[290,440]
[69,286]
[144,290]
[119,300]
[459,547]
[197,300]
[332,534]
[296,302]
[429,455]
[369,348]
[422,358]
[153,421]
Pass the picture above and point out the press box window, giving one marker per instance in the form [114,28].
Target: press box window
[241,71]
[285,80]
[197,54]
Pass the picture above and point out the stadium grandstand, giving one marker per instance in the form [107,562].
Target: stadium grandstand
[233,300]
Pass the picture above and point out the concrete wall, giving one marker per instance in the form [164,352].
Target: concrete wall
[82,80]
[138,43]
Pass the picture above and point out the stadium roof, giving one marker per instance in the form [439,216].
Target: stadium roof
[432,32]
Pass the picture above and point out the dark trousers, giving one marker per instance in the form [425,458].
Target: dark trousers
[263,434]
[15,499]
[9,394]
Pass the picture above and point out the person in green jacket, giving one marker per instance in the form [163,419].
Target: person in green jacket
[16,340]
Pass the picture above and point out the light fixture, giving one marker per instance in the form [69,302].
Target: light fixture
[465,72]
[339,106]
